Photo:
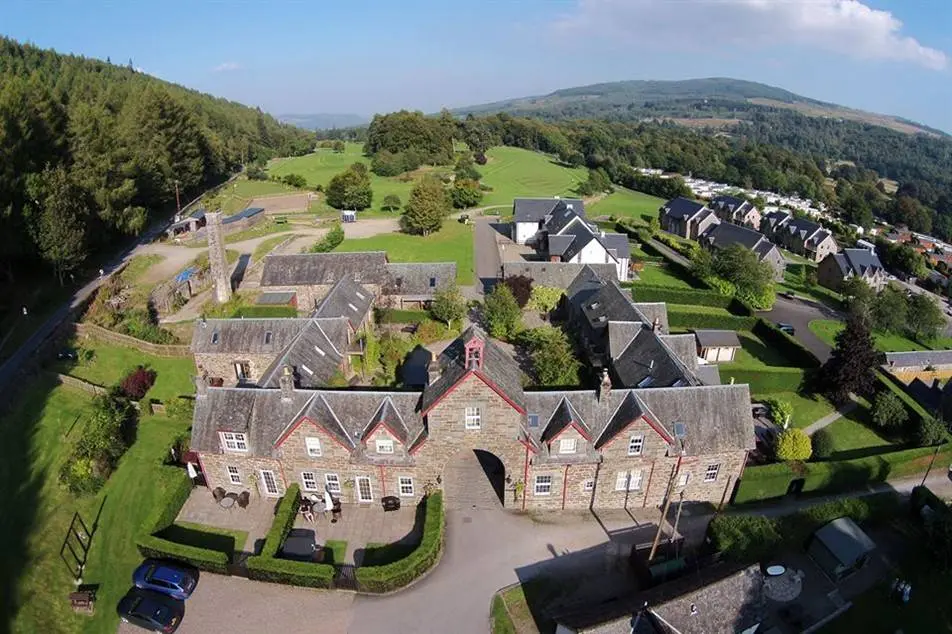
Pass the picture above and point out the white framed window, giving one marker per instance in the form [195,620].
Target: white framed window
[270,483]
[234,476]
[683,479]
[710,474]
[384,445]
[364,491]
[628,480]
[405,484]
[543,485]
[313,444]
[309,481]
[634,480]
[309,371]
[233,441]
[472,418]
[332,482]
[635,445]
[621,481]
[589,485]
[568,445]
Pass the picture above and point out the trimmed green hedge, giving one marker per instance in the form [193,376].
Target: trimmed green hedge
[267,567]
[923,496]
[679,319]
[178,487]
[916,411]
[766,381]
[667,294]
[791,348]
[398,574]
[773,480]
[750,538]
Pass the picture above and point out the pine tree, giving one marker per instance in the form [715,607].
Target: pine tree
[851,367]
[427,207]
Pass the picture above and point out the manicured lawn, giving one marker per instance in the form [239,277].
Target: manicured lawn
[827,329]
[625,203]
[239,194]
[111,363]
[695,309]
[793,282]
[853,439]
[334,551]
[807,409]
[138,266]
[35,511]
[453,243]
[660,275]
[202,536]
[502,624]
[755,354]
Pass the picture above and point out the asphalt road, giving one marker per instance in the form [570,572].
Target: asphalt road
[799,313]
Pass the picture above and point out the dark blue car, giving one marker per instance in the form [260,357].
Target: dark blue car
[151,610]
[169,578]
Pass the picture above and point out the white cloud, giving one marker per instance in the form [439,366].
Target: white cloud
[847,27]
[226,67]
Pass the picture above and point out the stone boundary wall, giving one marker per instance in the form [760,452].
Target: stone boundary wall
[85,386]
[102,334]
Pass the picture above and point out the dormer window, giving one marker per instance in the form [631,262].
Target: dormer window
[352,307]
[268,336]
[359,295]
[474,354]
[215,337]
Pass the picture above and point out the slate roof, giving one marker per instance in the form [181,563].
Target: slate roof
[556,274]
[324,268]
[313,355]
[725,234]
[563,416]
[620,334]
[709,373]
[250,336]
[498,367]
[654,311]
[805,228]
[279,298]
[560,218]
[536,209]
[388,414]
[414,278]
[717,338]
[346,299]
[648,361]
[717,417]
[765,248]
[618,243]
[727,202]
[600,302]
[921,358]
[264,415]
[685,348]
[859,262]
[774,219]
[681,208]
[558,245]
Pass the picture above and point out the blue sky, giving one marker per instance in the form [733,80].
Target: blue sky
[892,56]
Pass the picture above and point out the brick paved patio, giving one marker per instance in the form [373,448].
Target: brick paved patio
[358,525]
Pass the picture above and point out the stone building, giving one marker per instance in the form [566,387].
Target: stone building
[836,268]
[686,218]
[736,211]
[604,448]
[802,236]
[725,235]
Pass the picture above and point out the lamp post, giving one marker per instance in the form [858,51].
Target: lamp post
[178,202]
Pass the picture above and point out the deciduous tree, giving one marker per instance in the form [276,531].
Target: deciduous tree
[350,189]
[793,444]
[465,193]
[501,312]
[427,207]
[521,287]
[391,202]
[448,305]
[925,318]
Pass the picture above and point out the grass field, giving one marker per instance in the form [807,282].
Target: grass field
[268,245]
[511,172]
[236,195]
[827,329]
[625,203]
[807,408]
[755,354]
[853,439]
[658,274]
[453,243]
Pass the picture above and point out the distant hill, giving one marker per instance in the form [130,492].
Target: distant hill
[715,102]
[323,121]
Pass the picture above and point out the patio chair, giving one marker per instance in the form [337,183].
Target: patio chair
[218,494]
[244,498]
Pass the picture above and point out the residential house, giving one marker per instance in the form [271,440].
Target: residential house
[530,214]
[836,268]
[254,352]
[717,346]
[736,211]
[724,235]
[567,237]
[311,276]
[803,237]
[576,449]
[686,218]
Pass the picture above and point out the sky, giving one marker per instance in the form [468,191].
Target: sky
[363,56]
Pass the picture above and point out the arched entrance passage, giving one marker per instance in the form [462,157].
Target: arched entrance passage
[474,479]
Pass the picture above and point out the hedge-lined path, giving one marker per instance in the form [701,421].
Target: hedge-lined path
[670,253]
[799,313]
[830,418]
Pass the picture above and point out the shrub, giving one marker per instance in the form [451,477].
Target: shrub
[521,287]
[137,383]
[330,241]
[141,324]
[502,313]
[745,537]
[255,173]
[99,447]
[448,305]
[553,358]
[780,410]
[679,319]
[545,299]
[284,516]
[398,574]
[294,573]
[429,331]
[696,297]
[295,180]
[930,432]
[889,413]
[391,202]
[202,558]
[465,193]
[793,444]
[822,444]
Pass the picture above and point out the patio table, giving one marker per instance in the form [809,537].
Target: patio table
[227,502]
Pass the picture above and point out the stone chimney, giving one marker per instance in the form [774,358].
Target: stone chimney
[433,371]
[656,325]
[287,383]
[605,386]
[221,275]
[201,385]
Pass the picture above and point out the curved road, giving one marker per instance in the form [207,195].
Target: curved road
[799,313]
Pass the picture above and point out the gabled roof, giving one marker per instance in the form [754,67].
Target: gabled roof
[498,369]
[346,299]
[324,268]
[717,338]
[630,409]
[919,358]
[556,274]
[617,243]
[654,312]
[558,245]
[681,208]
[733,203]
[725,234]
[389,416]
[649,362]
[244,336]
[536,209]
[560,219]
[321,414]
[859,262]
[777,218]
[413,278]
[620,334]
[313,355]
[563,416]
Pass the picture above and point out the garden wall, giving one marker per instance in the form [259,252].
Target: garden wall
[102,334]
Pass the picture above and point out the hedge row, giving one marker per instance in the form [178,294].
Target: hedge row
[764,381]
[750,538]
[178,488]
[793,349]
[916,411]
[678,319]
[267,567]
[695,297]
[398,574]
[773,480]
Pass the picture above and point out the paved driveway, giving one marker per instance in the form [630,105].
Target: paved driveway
[488,265]
[799,313]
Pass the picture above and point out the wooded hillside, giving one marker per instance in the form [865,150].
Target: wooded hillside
[90,150]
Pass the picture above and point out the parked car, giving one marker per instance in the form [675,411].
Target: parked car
[787,328]
[169,578]
[789,294]
[151,610]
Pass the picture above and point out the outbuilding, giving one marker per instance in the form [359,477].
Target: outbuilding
[717,346]
[840,548]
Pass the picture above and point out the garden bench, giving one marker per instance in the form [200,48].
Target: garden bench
[83,600]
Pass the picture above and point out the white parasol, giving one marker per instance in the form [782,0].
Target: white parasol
[328,500]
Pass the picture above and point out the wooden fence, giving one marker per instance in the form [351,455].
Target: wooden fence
[102,334]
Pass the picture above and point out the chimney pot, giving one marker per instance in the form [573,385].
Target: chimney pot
[201,385]
[605,387]
[287,383]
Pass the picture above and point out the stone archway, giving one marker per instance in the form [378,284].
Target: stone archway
[474,479]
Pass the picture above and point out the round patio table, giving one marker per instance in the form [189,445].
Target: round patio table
[775,571]
[227,502]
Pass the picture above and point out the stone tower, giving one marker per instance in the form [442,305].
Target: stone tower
[216,257]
